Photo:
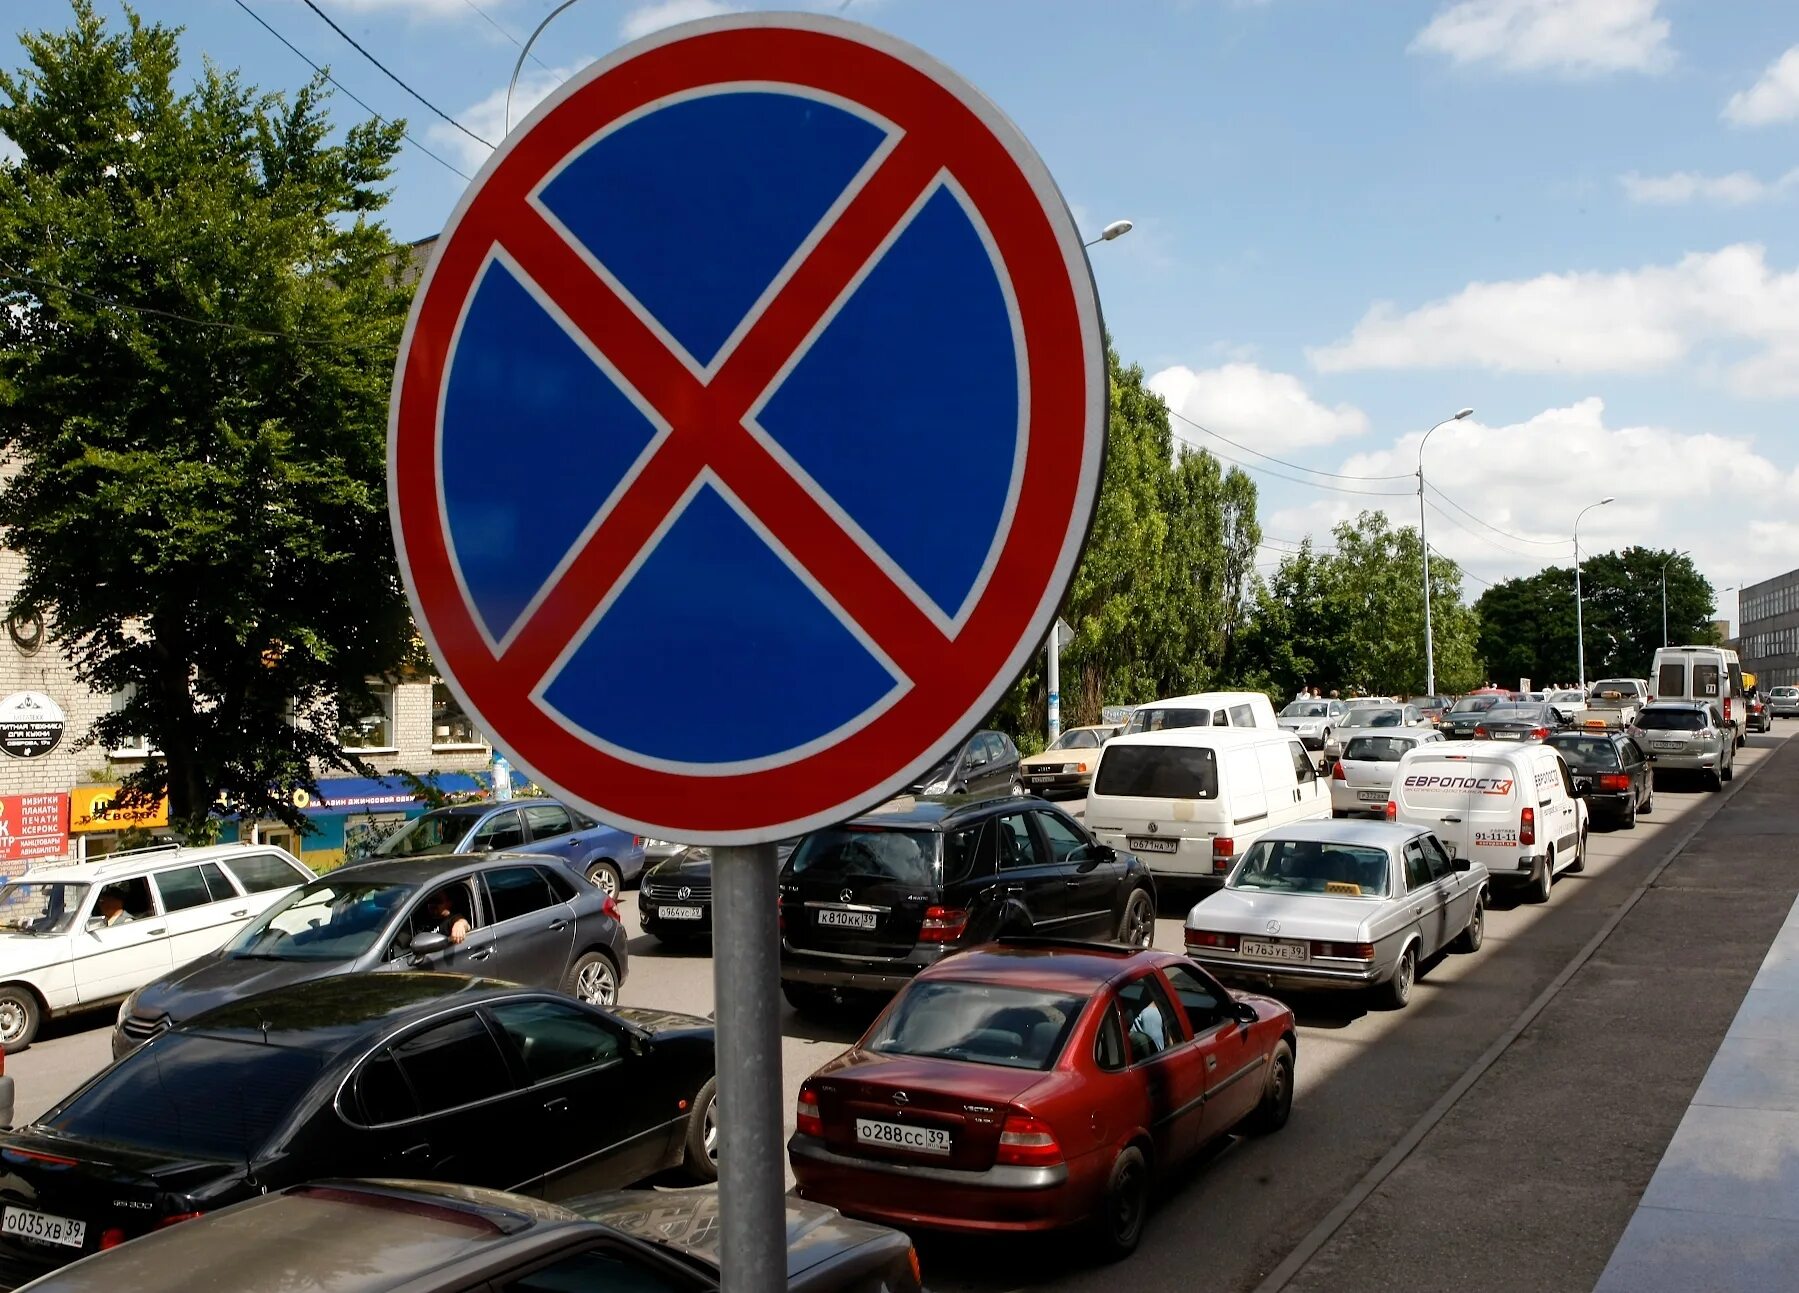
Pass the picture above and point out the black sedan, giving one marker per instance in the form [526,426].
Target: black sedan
[1519,722]
[390,1075]
[674,903]
[1464,716]
[1611,769]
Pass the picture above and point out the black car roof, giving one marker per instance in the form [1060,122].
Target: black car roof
[940,812]
[345,1012]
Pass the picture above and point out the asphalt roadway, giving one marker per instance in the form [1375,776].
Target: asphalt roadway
[1495,1134]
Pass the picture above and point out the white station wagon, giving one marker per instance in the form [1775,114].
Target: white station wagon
[89,933]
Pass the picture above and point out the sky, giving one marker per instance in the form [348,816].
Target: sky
[1353,218]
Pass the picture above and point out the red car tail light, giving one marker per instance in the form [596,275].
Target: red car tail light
[1224,849]
[1337,773]
[1392,811]
[1527,826]
[1727,703]
[1210,938]
[1539,733]
[111,1238]
[1343,951]
[943,924]
[1027,1142]
[610,907]
[1613,781]
[807,1120]
[176,1218]
[1480,733]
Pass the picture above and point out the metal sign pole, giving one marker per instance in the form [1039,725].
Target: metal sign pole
[1055,681]
[746,976]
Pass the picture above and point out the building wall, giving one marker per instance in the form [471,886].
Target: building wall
[1768,635]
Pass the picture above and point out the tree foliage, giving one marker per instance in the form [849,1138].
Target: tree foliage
[199,332]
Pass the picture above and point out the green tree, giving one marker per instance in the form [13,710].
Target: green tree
[198,337]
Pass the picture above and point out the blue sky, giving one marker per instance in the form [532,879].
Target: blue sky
[1353,217]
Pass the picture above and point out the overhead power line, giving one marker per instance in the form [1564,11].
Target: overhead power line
[1297,480]
[346,91]
[1543,543]
[1460,569]
[1490,542]
[1334,475]
[392,76]
[508,35]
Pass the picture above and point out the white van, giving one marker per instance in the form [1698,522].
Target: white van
[1189,800]
[1511,807]
[1207,709]
[1708,674]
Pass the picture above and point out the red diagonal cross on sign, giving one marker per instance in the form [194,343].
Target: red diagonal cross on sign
[940,127]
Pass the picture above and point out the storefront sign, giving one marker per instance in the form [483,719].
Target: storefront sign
[97,808]
[30,724]
[374,794]
[33,826]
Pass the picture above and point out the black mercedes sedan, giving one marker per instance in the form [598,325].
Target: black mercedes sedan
[1525,721]
[433,1076]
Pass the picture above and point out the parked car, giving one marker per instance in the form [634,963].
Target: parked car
[1432,708]
[1039,1085]
[1340,905]
[1513,807]
[1761,714]
[986,763]
[428,1237]
[530,920]
[1205,709]
[607,856]
[426,1075]
[88,933]
[1784,701]
[866,905]
[1312,721]
[674,902]
[1363,777]
[1612,770]
[1366,716]
[1068,762]
[1705,675]
[1464,716]
[1568,704]
[1688,736]
[1519,721]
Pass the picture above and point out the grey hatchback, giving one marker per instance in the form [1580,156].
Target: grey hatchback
[525,919]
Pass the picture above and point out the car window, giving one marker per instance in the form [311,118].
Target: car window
[182,888]
[261,872]
[547,821]
[1157,772]
[968,852]
[1631,752]
[1736,679]
[1438,860]
[382,1093]
[1150,719]
[133,892]
[979,1023]
[850,852]
[1108,1046]
[1242,716]
[1149,1024]
[1314,867]
[452,1064]
[616,1269]
[501,831]
[1567,778]
[1303,770]
[218,887]
[515,891]
[1671,678]
[559,884]
[1589,753]
[1202,1005]
[553,1038]
[1062,838]
[1705,680]
[1417,870]
[1016,846]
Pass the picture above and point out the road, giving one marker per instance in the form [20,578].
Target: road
[1365,1077]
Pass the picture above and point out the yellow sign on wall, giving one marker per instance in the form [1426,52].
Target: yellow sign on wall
[96,808]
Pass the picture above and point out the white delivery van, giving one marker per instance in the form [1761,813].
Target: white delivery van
[1207,709]
[1189,800]
[1709,674]
[1511,807]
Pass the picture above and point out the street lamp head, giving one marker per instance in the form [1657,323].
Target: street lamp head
[1602,502]
[1117,229]
[1464,413]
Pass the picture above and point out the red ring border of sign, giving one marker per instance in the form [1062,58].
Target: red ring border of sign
[1066,398]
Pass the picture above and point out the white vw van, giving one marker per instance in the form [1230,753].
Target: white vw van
[1189,800]
[1207,709]
[1511,807]
[1709,674]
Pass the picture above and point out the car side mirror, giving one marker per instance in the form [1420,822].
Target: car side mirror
[1462,864]
[1244,1013]
[428,942]
[977,761]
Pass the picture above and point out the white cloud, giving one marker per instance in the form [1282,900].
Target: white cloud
[9,151]
[1775,97]
[1718,304]
[1739,188]
[1574,37]
[647,18]
[1269,411]
[487,118]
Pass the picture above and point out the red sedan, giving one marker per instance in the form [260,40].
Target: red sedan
[1033,1084]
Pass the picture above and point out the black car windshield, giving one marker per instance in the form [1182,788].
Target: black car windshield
[333,919]
[1672,720]
[1080,738]
[1157,772]
[1309,866]
[865,852]
[1588,753]
[193,1096]
[1378,749]
[1518,714]
[439,831]
[1473,704]
[981,1023]
[1153,719]
[1306,709]
[41,906]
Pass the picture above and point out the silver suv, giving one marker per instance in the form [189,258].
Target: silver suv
[1783,702]
[1688,735]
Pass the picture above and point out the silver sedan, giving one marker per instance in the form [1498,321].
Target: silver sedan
[1329,904]
[1363,777]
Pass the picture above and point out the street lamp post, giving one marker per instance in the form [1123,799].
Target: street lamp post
[524,52]
[1430,655]
[1580,636]
[1670,561]
[1117,229]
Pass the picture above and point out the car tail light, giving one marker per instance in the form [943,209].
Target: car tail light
[807,1120]
[943,924]
[176,1218]
[1027,1142]
[1224,849]
[1480,732]
[1392,811]
[1344,951]
[609,905]
[111,1237]
[1614,781]
[637,841]
[917,1274]
[1337,773]
[1539,733]
[1527,826]
[1211,938]
[1727,703]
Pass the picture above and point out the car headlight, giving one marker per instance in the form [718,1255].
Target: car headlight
[937,788]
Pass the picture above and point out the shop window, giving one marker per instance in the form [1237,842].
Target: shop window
[131,747]
[451,728]
[367,724]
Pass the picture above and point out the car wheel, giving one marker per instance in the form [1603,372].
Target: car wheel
[1126,1204]
[1730,769]
[1648,805]
[1580,859]
[1277,1094]
[1629,822]
[1339,812]
[1017,787]
[593,979]
[605,877]
[1544,880]
[1470,939]
[1396,991]
[19,1017]
[1138,928]
[700,1159]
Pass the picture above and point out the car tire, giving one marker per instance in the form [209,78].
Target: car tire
[1339,812]
[1628,822]
[1125,1206]
[1138,926]
[593,978]
[1396,991]
[1017,788]
[604,875]
[20,1016]
[1277,1094]
[700,1157]
[1580,859]
[1475,933]
[1729,772]
[1544,881]
[1648,805]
